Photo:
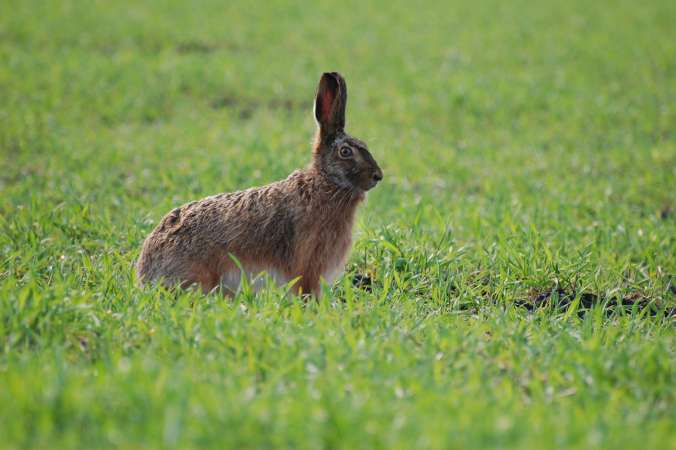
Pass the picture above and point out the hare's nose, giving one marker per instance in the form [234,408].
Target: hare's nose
[377,175]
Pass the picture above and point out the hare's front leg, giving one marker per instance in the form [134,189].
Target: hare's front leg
[308,284]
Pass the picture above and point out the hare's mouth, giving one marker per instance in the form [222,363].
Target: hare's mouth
[372,181]
[370,185]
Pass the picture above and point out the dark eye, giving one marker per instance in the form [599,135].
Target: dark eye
[345,152]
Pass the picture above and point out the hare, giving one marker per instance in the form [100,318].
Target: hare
[299,228]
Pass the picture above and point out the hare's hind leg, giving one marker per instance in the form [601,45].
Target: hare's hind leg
[200,274]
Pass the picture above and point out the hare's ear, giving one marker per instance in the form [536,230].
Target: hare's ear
[330,104]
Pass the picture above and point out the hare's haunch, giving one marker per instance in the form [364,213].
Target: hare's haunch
[297,227]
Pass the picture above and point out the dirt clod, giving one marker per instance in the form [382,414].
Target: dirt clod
[561,299]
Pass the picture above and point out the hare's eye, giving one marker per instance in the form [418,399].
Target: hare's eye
[345,152]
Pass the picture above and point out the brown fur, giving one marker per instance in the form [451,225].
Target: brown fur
[297,227]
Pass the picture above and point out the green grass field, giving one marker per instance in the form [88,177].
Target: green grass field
[521,248]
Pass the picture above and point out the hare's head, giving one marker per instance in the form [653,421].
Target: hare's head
[342,158]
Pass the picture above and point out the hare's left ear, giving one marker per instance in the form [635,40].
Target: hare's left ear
[330,104]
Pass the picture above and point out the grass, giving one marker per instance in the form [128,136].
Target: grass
[529,158]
